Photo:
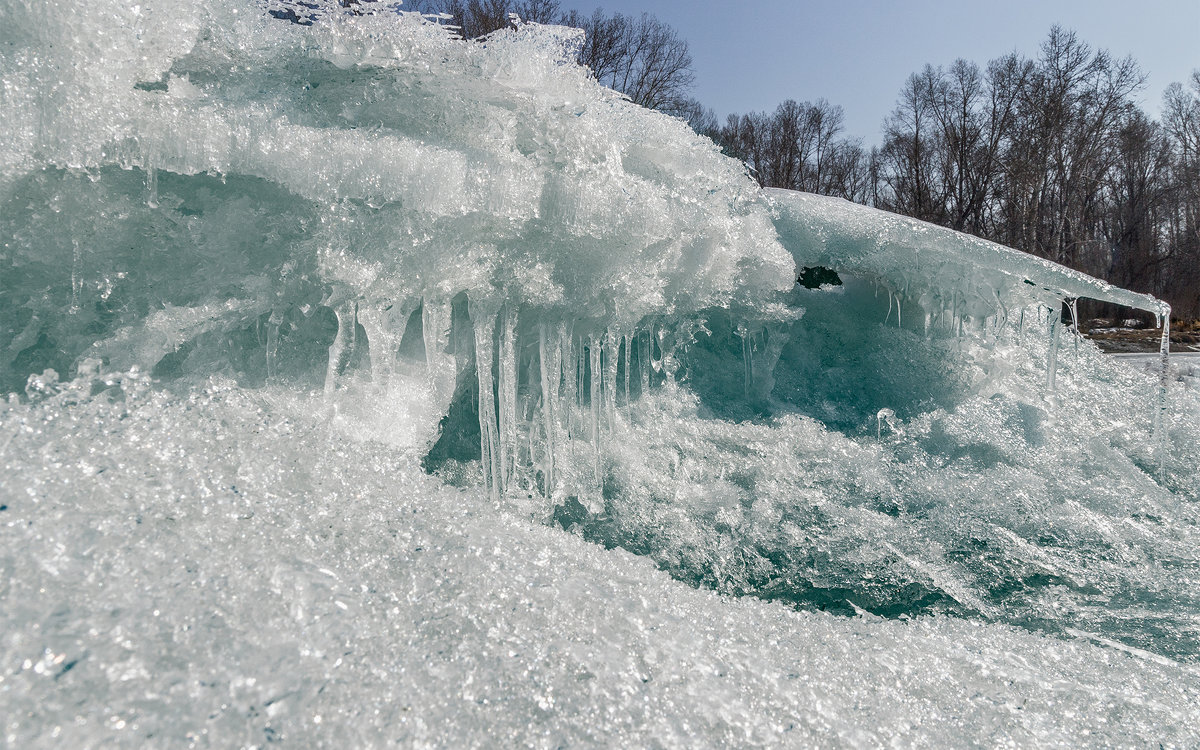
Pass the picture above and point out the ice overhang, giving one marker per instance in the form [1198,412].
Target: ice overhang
[926,261]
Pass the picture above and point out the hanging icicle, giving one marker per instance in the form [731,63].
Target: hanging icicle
[1164,353]
[626,340]
[342,348]
[506,384]
[483,320]
[548,369]
[644,365]
[1052,355]
[594,393]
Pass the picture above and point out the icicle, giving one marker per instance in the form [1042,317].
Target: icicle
[151,186]
[273,324]
[548,369]
[667,362]
[507,392]
[530,422]
[483,320]
[889,312]
[898,322]
[385,327]
[440,364]
[747,358]
[774,339]
[610,351]
[1002,315]
[1164,353]
[1052,356]
[570,364]
[626,340]
[594,356]
[534,426]
[1075,323]
[341,348]
[581,371]
[644,364]
[76,275]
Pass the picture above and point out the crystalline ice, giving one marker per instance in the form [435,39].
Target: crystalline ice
[428,388]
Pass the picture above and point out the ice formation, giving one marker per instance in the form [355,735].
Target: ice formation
[372,386]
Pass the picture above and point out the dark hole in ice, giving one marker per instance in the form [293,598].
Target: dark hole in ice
[815,277]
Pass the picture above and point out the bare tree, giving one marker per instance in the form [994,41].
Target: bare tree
[911,146]
[641,57]
[1181,121]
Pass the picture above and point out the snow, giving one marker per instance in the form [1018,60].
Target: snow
[372,387]
[224,568]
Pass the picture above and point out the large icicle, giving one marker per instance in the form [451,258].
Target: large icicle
[507,395]
[549,370]
[1164,353]
[745,335]
[766,356]
[440,364]
[595,398]
[612,344]
[342,347]
[570,365]
[385,328]
[645,344]
[1052,354]
[273,322]
[626,342]
[483,320]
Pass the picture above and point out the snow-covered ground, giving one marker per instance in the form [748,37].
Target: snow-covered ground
[229,569]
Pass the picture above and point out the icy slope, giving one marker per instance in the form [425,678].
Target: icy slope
[224,569]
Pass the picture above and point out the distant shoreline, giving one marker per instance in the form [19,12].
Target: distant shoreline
[1144,340]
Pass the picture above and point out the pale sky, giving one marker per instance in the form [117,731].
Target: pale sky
[755,54]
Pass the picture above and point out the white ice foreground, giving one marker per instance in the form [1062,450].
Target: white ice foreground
[276,580]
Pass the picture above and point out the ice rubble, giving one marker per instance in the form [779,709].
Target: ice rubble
[222,569]
[285,271]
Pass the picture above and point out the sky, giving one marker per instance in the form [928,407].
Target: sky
[752,55]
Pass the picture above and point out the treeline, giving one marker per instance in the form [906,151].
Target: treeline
[640,56]
[1050,155]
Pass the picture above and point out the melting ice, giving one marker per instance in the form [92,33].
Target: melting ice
[370,386]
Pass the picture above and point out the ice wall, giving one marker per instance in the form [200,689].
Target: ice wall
[373,169]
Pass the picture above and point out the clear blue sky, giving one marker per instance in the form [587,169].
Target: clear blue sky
[857,53]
